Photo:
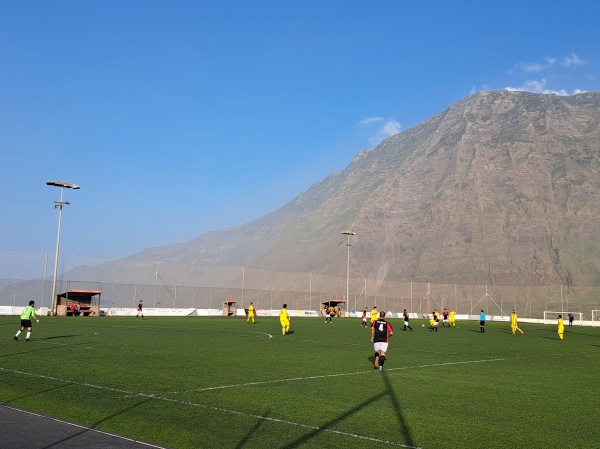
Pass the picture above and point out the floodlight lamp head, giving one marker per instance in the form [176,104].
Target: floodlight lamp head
[64,184]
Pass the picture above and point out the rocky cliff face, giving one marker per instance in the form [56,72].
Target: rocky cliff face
[500,188]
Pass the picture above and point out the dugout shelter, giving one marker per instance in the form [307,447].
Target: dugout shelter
[229,308]
[334,303]
[87,300]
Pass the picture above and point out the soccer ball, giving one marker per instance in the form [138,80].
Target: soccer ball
[422,325]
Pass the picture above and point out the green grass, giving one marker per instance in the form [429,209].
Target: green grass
[219,382]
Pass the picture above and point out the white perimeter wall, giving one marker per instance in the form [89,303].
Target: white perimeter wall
[44,311]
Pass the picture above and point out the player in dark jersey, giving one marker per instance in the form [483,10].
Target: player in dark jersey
[406,320]
[445,315]
[140,310]
[381,331]
[364,317]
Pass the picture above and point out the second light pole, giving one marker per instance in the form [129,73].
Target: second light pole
[348,233]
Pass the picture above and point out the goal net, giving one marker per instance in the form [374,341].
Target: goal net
[595,317]
[551,317]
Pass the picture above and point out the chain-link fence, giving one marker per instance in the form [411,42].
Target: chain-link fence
[174,285]
[528,301]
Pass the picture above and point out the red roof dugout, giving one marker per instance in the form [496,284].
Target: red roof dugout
[84,298]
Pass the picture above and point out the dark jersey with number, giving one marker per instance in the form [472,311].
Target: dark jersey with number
[382,331]
[406,317]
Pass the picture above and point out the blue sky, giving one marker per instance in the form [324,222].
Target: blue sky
[181,117]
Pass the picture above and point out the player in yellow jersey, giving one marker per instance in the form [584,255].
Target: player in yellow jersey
[250,313]
[513,323]
[374,315]
[561,327]
[284,319]
[433,324]
[452,318]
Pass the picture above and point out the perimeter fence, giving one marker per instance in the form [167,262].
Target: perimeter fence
[528,301]
[192,285]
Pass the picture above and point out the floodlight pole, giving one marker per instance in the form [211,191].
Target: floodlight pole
[348,233]
[58,205]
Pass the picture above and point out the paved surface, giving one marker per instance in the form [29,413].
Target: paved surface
[20,429]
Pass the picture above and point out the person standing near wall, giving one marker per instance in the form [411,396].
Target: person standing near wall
[561,327]
[482,322]
[250,313]
[27,315]
[514,323]
[284,319]
[140,310]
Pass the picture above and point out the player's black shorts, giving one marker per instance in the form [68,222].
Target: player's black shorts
[482,323]
[25,323]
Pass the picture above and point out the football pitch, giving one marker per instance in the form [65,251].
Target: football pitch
[219,382]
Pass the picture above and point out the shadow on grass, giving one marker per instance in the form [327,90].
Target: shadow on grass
[31,347]
[387,392]
[252,431]
[404,428]
[86,429]
[34,393]
[59,336]
[574,332]
[83,428]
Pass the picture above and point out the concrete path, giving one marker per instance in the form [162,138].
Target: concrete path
[20,429]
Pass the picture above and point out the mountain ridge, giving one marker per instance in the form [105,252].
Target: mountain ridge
[500,188]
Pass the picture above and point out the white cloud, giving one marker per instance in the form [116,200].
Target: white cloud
[369,120]
[532,67]
[552,68]
[539,87]
[380,128]
[548,64]
[483,87]
[573,60]
[390,128]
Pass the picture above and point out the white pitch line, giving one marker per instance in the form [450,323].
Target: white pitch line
[262,333]
[210,407]
[325,376]
[250,415]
